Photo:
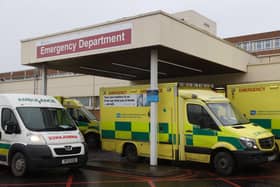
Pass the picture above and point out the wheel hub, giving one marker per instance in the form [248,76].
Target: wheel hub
[20,164]
[223,163]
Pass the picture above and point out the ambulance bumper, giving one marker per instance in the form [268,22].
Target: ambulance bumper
[254,157]
[40,157]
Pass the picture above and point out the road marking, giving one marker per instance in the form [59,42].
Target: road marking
[116,174]
[69,181]
[33,184]
[229,182]
[253,177]
[151,183]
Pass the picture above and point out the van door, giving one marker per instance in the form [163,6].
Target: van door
[200,131]
[8,119]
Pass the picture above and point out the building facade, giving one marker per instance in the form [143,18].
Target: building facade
[259,44]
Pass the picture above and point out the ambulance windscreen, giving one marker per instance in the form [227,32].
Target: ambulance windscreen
[46,119]
[227,114]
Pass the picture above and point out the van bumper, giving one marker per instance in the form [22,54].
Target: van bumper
[255,157]
[40,157]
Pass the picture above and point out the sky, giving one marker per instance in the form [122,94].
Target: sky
[22,19]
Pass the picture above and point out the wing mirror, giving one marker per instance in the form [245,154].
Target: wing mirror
[11,128]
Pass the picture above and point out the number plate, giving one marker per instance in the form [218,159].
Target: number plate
[69,160]
[271,158]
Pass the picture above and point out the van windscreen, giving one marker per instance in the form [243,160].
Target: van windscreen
[46,119]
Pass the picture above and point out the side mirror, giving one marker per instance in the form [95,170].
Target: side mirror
[11,127]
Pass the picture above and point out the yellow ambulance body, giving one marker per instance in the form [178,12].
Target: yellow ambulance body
[260,103]
[193,124]
[86,121]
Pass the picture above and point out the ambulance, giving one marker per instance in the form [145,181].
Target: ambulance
[260,103]
[86,121]
[36,132]
[194,124]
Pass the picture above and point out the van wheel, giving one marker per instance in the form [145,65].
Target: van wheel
[19,164]
[130,152]
[224,163]
[93,141]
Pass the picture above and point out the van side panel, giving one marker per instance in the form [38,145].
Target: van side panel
[260,102]
[125,115]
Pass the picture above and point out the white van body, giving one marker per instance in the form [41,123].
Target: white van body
[36,132]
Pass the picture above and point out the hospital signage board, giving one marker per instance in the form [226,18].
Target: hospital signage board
[152,96]
[85,41]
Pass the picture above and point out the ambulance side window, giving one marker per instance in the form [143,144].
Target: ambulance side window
[199,116]
[77,115]
[72,113]
[82,116]
[8,116]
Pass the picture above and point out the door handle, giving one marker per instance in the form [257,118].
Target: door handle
[189,131]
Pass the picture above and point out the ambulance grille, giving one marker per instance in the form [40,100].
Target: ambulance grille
[266,143]
[63,151]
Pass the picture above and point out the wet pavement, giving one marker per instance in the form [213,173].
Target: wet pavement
[109,170]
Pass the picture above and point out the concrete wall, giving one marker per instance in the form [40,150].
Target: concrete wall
[194,18]
[70,86]
[268,70]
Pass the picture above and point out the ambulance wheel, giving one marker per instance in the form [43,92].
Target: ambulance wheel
[18,164]
[130,152]
[93,141]
[224,163]
[277,151]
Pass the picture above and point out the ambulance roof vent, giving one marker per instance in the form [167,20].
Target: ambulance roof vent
[194,96]
[195,85]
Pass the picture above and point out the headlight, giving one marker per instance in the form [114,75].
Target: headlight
[36,139]
[249,143]
[82,137]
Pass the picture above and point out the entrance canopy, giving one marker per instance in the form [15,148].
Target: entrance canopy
[122,49]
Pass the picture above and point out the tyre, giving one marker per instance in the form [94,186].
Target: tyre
[93,141]
[277,151]
[224,163]
[19,164]
[130,152]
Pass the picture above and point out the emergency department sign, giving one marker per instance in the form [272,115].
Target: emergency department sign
[85,41]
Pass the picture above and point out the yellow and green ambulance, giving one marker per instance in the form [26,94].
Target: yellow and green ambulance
[194,124]
[260,103]
[86,121]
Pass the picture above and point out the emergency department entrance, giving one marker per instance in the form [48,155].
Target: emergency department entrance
[151,46]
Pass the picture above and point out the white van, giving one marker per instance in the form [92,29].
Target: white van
[36,132]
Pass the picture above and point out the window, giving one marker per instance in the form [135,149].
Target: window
[246,46]
[259,45]
[46,119]
[89,102]
[239,45]
[78,114]
[96,103]
[227,114]
[84,100]
[197,115]
[268,44]
[8,116]
[253,46]
[277,43]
